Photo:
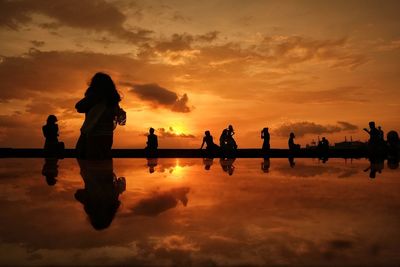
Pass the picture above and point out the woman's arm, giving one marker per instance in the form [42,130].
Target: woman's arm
[85,104]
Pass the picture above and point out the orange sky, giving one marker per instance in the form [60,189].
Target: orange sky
[318,68]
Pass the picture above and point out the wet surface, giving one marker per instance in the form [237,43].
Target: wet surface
[195,212]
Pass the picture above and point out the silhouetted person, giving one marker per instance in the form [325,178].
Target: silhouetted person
[266,136]
[381,134]
[102,114]
[265,165]
[211,148]
[50,170]
[152,144]
[227,143]
[230,140]
[323,149]
[152,163]
[393,143]
[292,145]
[101,192]
[374,134]
[223,139]
[52,147]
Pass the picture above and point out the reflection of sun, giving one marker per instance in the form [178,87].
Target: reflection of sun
[177,171]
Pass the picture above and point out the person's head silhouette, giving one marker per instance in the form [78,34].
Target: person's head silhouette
[101,85]
[207,133]
[51,119]
[151,130]
[292,135]
[372,124]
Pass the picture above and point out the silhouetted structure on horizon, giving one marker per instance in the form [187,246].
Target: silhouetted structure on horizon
[52,147]
[102,114]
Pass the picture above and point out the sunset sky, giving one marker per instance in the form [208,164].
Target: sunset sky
[318,68]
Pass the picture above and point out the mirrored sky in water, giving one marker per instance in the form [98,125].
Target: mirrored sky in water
[199,212]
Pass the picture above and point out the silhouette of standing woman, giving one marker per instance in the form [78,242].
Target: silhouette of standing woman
[102,114]
[52,146]
[265,135]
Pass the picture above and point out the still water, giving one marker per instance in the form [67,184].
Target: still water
[195,212]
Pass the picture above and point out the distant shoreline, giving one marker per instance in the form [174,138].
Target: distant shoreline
[194,153]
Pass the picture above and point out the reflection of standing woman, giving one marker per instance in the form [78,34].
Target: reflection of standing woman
[102,113]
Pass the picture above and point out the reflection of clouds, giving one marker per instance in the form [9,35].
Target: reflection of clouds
[303,170]
[246,221]
[161,202]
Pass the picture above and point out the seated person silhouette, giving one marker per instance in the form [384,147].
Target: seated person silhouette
[211,146]
[265,135]
[52,147]
[291,143]
[152,144]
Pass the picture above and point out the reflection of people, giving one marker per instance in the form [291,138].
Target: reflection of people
[161,202]
[208,162]
[266,136]
[376,165]
[265,165]
[292,163]
[52,146]
[50,170]
[152,144]
[227,165]
[151,163]
[101,192]
[102,114]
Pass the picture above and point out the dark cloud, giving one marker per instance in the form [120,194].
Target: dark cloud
[38,43]
[160,96]
[302,128]
[94,15]
[346,126]
[170,132]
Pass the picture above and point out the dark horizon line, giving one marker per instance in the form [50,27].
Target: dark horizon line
[196,153]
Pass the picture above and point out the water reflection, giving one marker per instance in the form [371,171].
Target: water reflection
[227,165]
[161,201]
[185,215]
[265,165]
[101,192]
[208,162]
[50,170]
[152,163]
